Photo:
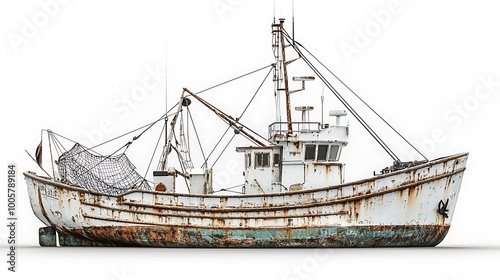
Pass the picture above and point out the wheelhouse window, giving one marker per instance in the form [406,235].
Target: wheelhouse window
[265,160]
[322,152]
[262,160]
[334,153]
[310,152]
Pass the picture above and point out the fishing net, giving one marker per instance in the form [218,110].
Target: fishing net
[104,174]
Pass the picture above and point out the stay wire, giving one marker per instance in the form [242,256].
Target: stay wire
[154,151]
[233,79]
[120,136]
[244,126]
[196,134]
[345,103]
[217,144]
[366,104]
[237,120]
[223,150]
[257,91]
[149,125]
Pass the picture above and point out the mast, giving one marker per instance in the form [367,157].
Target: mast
[285,78]
[168,144]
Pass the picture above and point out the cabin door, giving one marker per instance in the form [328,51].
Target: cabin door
[276,169]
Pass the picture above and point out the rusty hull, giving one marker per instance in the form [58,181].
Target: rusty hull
[331,237]
[395,209]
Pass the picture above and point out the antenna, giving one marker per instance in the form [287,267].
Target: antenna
[281,10]
[293,22]
[274,11]
[166,92]
[322,101]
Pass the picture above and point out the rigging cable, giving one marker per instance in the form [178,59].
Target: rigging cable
[57,144]
[51,156]
[105,142]
[345,103]
[223,150]
[366,104]
[197,136]
[154,152]
[230,189]
[258,89]
[217,144]
[149,125]
[237,119]
[125,147]
[234,79]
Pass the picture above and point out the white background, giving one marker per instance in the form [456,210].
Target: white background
[74,68]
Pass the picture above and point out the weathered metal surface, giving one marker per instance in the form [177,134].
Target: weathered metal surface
[47,236]
[394,209]
[335,236]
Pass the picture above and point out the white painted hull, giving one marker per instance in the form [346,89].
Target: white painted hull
[395,209]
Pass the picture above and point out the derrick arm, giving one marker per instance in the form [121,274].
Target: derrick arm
[228,119]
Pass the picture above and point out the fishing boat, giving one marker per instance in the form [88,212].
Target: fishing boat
[293,191]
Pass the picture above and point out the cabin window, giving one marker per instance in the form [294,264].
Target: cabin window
[322,152]
[248,160]
[262,160]
[276,160]
[258,160]
[334,150]
[265,160]
[310,152]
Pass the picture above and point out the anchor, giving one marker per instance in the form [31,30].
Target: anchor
[443,208]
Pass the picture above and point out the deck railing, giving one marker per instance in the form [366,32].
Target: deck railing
[281,128]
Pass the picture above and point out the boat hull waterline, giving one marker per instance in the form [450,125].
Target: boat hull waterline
[406,208]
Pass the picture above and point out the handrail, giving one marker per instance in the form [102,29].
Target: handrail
[282,127]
